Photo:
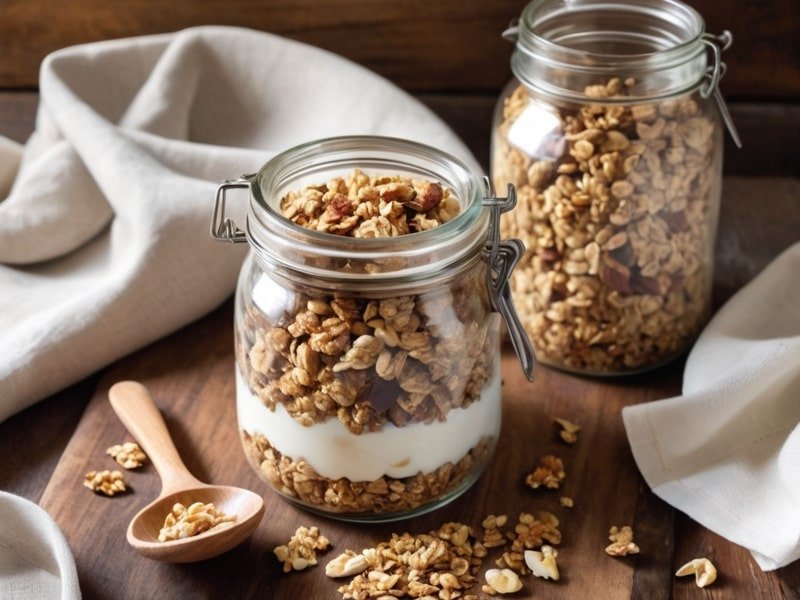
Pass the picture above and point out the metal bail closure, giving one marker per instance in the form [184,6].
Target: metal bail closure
[502,257]
[224,229]
[718,44]
[511,33]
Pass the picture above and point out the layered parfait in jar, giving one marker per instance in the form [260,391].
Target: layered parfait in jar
[376,404]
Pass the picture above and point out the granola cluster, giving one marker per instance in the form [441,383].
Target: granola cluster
[549,474]
[441,564]
[617,210]
[105,482]
[365,206]
[183,522]
[128,455]
[301,550]
[297,479]
[621,541]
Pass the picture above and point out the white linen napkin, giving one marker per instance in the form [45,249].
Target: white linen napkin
[35,560]
[104,233]
[727,451]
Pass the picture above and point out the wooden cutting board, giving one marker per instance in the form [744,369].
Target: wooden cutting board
[191,377]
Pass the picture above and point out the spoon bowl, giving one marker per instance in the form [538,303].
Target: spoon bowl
[137,411]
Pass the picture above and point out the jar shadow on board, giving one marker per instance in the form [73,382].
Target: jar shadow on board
[611,131]
[367,322]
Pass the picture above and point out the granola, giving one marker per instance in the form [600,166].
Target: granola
[569,430]
[617,210]
[621,542]
[530,532]
[183,522]
[550,473]
[128,455]
[109,483]
[301,550]
[299,481]
[441,564]
[371,361]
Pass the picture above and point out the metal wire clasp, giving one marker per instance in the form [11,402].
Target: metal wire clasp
[224,229]
[714,73]
[502,257]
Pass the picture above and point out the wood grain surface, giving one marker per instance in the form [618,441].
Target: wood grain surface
[448,45]
[191,376]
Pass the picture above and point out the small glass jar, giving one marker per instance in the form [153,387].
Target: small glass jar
[610,133]
[368,369]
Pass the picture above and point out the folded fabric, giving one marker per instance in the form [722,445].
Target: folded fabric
[104,233]
[727,451]
[35,560]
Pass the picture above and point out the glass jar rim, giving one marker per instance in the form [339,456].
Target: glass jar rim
[409,258]
[673,33]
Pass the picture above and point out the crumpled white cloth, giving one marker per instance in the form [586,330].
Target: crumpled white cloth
[35,560]
[727,451]
[104,233]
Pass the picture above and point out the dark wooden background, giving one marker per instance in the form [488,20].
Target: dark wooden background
[447,52]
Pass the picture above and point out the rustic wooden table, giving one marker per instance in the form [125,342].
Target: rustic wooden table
[48,448]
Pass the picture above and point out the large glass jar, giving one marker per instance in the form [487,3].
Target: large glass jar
[610,133]
[368,373]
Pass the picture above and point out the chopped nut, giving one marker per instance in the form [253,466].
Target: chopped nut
[543,564]
[566,502]
[183,522]
[550,473]
[128,455]
[622,542]
[492,536]
[105,482]
[705,573]
[568,431]
[503,581]
[301,550]
[346,565]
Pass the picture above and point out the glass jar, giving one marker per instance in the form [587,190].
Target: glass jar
[610,133]
[368,369]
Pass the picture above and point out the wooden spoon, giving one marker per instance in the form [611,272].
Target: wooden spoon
[137,411]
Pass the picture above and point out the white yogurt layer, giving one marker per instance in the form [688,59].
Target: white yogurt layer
[334,451]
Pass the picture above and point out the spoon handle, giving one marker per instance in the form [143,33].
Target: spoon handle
[137,411]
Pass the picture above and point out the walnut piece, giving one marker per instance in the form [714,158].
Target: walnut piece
[550,473]
[503,581]
[197,518]
[705,573]
[128,455]
[543,563]
[301,550]
[566,502]
[622,542]
[109,483]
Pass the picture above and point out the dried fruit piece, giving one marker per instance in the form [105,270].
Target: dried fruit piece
[543,563]
[622,542]
[705,573]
